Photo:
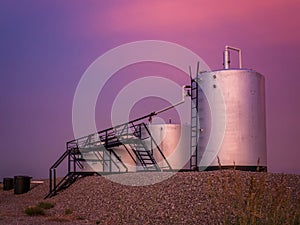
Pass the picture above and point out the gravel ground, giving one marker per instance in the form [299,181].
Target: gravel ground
[217,197]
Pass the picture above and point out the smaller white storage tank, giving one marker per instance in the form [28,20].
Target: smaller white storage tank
[92,162]
[174,142]
[99,160]
[127,156]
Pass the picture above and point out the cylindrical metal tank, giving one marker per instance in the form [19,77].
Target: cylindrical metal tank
[22,184]
[8,183]
[101,160]
[127,156]
[93,161]
[244,142]
[174,142]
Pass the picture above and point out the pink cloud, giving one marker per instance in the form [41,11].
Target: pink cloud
[272,21]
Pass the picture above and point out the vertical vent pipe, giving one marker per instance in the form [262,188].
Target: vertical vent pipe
[226,56]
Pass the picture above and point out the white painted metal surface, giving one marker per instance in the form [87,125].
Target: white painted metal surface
[174,142]
[244,142]
[125,157]
[94,160]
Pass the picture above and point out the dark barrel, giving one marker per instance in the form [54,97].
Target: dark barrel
[22,184]
[8,183]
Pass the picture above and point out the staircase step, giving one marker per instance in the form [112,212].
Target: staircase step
[144,155]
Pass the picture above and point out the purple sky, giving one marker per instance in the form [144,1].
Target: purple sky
[45,47]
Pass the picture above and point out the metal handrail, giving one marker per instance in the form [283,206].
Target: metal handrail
[157,146]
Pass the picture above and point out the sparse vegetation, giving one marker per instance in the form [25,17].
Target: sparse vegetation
[215,197]
[68,211]
[39,209]
[252,201]
[45,205]
[219,163]
[34,211]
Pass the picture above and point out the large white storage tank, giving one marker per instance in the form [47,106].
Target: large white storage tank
[244,142]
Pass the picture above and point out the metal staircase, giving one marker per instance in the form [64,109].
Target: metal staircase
[134,138]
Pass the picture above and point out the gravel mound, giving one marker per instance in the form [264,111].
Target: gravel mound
[217,197]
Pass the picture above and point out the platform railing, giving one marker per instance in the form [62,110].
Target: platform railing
[103,142]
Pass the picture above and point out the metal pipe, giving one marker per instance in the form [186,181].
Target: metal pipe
[226,59]
[227,56]
[143,117]
[178,103]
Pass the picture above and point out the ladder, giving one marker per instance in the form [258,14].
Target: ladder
[194,123]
